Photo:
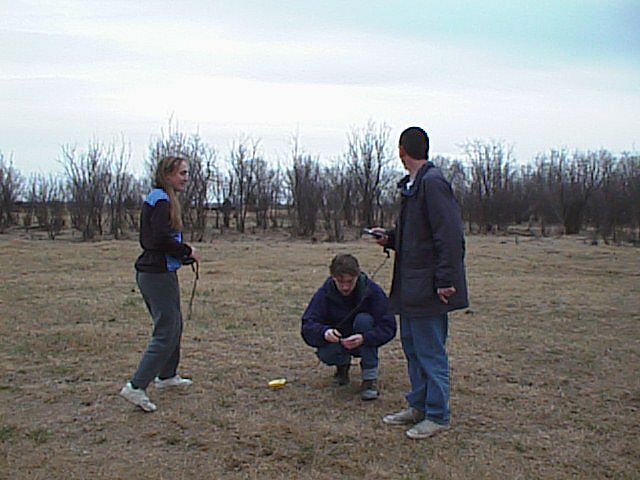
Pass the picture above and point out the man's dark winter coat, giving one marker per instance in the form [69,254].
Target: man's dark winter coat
[429,242]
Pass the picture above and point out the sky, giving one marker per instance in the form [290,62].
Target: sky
[535,75]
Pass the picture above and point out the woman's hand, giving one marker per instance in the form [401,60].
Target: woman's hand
[194,254]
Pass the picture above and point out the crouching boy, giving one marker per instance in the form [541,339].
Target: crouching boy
[349,316]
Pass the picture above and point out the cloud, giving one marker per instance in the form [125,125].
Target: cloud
[522,73]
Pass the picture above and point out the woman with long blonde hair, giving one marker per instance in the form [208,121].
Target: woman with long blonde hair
[164,251]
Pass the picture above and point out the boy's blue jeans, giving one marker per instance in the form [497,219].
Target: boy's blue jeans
[423,341]
[336,354]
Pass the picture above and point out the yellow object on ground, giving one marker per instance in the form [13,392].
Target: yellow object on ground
[277,383]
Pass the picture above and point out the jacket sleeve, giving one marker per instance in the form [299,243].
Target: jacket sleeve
[391,233]
[313,328]
[385,322]
[161,232]
[446,228]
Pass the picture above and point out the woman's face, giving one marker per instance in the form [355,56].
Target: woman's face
[179,177]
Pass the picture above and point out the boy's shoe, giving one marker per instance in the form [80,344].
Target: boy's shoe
[425,429]
[404,417]
[369,390]
[341,377]
[138,397]
[175,381]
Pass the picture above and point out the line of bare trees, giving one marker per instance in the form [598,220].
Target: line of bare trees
[572,189]
[98,195]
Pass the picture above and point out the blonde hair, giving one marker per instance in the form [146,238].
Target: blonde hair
[167,166]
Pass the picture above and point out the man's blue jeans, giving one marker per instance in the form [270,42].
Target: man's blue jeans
[423,341]
[336,354]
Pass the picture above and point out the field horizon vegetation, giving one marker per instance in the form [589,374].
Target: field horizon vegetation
[98,196]
[544,363]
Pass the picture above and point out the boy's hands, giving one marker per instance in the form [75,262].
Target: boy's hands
[354,341]
[332,335]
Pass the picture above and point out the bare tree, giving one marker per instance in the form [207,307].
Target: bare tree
[630,172]
[334,186]
[278,197]
[612,208]
[303,182]
[203,172]
[571,180]
[242,159]
[46,197]
[261,196]
[121,186]
[491,186]
[368,158]
[11,187]
[87,176]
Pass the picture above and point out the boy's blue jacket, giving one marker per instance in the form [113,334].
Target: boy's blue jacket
[329,308]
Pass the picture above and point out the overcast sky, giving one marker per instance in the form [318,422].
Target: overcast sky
[538,75]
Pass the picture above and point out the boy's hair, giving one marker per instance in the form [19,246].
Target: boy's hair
[344,264]
[415,142]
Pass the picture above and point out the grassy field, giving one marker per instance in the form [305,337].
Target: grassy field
[545,368]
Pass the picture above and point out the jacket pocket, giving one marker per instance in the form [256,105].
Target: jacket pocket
[417,288]
[416,256]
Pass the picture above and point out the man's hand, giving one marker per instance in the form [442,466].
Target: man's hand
[332,335]
[354,341]
[445,293]
[383,239]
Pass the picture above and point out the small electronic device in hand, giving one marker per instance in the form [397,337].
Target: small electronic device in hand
[188,260]
[373,233]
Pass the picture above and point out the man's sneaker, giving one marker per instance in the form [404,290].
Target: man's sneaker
[175,381]
[369,390]
[425,429]
[404,417]
[138,397]
[341,377]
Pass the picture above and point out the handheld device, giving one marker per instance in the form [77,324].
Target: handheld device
[373,233]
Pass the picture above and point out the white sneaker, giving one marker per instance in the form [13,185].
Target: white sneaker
[404,417]
[425,429]
[175,381]
[138,397]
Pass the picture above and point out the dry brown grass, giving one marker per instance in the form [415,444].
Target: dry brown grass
[545,368]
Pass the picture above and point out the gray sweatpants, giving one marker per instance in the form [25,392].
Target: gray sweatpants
[161,293]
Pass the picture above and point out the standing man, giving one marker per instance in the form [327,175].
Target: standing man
[349,316]
[428,282]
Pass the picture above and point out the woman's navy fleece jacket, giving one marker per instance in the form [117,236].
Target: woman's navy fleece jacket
[163,247]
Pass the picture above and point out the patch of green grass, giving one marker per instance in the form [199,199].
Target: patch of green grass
[519,446]
[131,302]
[39,435]
[6,432]
[219,422]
